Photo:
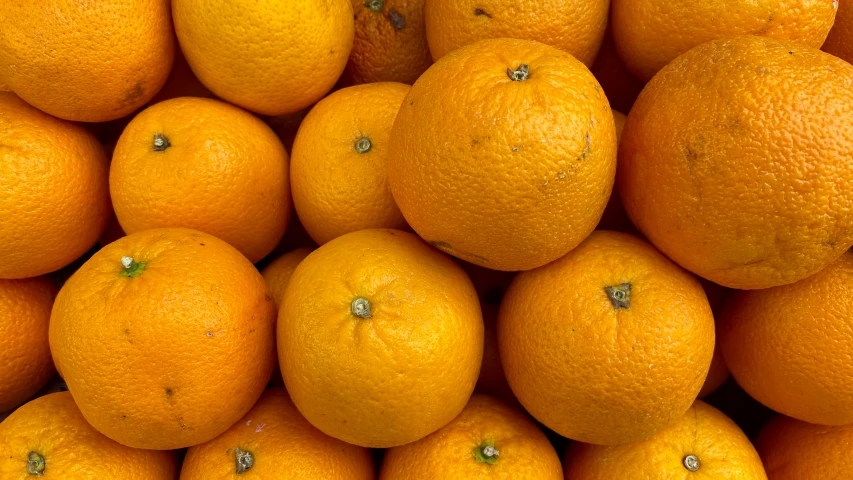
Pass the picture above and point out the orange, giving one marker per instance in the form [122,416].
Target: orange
[503,154]
[574,26]
[695,182]
[619,84]
[390,42]
[54,193]
[25,354]
[651,33]
[277,274]
[165,338]
[89,62]
[616,331]
[614,216]
[203,164]
[274,440]
[488,440]
[788,346]
[840,39]
[338,166]
[795,450]
[380,338]
[49,439]
[272,58]
[703,444]
[718,373]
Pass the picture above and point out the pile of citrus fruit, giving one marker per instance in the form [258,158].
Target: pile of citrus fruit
[426,239]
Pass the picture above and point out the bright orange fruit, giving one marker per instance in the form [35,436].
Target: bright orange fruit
[796,450]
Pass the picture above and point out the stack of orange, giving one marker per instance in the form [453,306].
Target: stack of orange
[281,234]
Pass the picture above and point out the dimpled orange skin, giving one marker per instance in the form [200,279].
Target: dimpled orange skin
[787,346]
[796,450]
[508,175]
[225,172]
[171,357]
[399,375]
[337,189]
[54,193]
[283,445]
[524,451]
[734,161]
[390,43]
[53,427]
[597,373]
[24,351]
[839,42]
[277,274]
[88,62]
[651,33]
[723,451]
[272,58]
[574,26]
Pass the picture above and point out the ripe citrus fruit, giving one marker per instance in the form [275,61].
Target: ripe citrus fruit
[574,26]
[89,62]
[165,338]
[274,440]
[487,440]
[702,443]
[277,274]
[337,169]
[24,351]
[840,39]
[54,191]
[390,42]
[203,164]
[613,329]
[503,154]
[49,439]
[796,450]
[788,346]
[380,338]
[734,161]
[619,84]
[272,58]
[651,33]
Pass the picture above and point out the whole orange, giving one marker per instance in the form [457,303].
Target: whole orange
[503,154]
[487,440]
[25,354]
[54,191]
[49,439]
[788,346]
[651,33]
[277,274]
[380,338]
[734,161]
[614,330]
[165,338]
[839,42]
[271,58]
[574,26]
[86,61]
[203,164]
[390,42]
[337,169]
[796,450]
[619,84]
[702,443]
[272,441]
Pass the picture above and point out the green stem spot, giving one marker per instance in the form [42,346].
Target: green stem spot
[520,74]
[486,453]
[35,464]
[244,460]
[619,295]
[363,145]
[131,268]
[160,142]
[361,308]
[375,5]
